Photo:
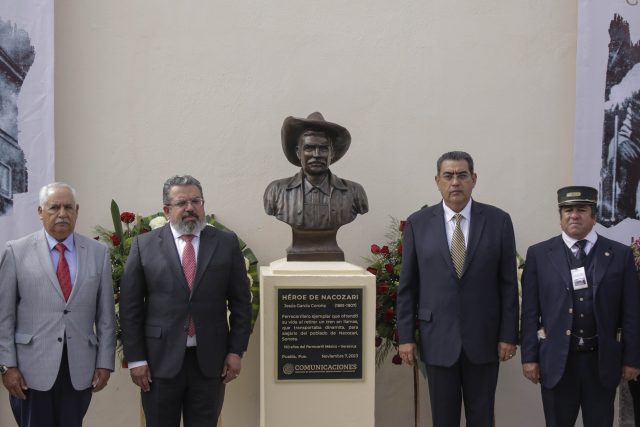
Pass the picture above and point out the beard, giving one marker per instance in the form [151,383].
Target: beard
[190,227]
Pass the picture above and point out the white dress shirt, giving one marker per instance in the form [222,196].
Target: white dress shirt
[450,222]
[591,239]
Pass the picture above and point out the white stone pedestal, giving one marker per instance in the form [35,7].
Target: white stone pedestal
[307,402]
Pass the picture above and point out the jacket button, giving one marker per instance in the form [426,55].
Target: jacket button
[571,311]
[66,311]
[568,332]
[59,339]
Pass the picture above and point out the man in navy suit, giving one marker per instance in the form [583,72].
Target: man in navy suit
[580,319]
[458,287]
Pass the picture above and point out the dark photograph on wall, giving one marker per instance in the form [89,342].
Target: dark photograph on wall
[620,174]
[16,57]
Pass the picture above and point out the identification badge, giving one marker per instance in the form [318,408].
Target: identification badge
[579,279]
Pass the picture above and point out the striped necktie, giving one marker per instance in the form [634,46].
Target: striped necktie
[458,247]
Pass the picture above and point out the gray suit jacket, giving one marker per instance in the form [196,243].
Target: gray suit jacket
[35,319]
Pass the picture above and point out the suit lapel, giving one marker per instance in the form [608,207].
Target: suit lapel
[438,227]
[601,259]
[206,249]
[476,226]
[81,263]
[170,253]
[558,258]
[44,255]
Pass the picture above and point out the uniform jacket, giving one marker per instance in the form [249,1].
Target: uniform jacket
[547,303]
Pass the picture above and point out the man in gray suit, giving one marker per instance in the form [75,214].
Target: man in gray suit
[57,330]
[458,287]
[177,285]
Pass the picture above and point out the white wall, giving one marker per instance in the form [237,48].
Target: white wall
[148,89]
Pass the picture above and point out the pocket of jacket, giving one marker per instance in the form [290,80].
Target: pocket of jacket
[152,331]
[93,340]
[425,315]
[23,338]
[217,267]
[220,328]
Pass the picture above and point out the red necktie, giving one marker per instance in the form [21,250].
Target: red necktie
[189,268]
[62,271]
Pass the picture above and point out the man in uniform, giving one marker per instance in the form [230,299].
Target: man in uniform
[580,317]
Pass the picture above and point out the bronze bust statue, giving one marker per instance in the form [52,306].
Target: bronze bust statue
[314,202]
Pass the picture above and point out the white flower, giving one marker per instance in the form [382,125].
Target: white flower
[157,222]
[247,264]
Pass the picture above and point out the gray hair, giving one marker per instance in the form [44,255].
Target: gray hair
[44,192]
[178,180]
[455,155]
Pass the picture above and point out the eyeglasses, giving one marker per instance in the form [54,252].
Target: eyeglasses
[181,204]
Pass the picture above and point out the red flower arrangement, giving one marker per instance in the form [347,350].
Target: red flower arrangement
[115,240]
[385,264]
[127,217]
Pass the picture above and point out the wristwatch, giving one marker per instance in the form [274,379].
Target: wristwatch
[3,369]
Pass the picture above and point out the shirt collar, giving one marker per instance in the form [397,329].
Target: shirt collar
[177,234]
[592,237]
[324,186]
[449,213]
[332,182]
[69,242]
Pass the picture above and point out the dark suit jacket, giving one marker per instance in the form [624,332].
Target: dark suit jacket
[155,302]
[472,313]
[547,302]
